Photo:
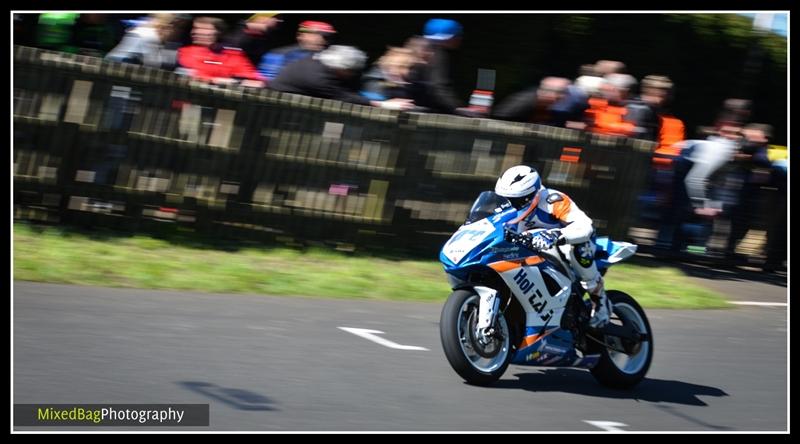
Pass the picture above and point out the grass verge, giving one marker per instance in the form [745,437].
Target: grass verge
[62,255]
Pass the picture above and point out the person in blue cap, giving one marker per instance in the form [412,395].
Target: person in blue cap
[443,30]
[433,86]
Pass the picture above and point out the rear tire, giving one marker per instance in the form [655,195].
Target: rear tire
[478,365]
[619,370]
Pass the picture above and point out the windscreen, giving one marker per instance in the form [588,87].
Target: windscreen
[487,204]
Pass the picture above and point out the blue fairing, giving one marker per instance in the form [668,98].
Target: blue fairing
[605,245]
[481,242]
[609,247]
[491,249]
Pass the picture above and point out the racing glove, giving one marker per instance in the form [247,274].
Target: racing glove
[545,240]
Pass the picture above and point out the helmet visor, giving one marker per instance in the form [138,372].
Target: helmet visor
[524,202]
[525,208]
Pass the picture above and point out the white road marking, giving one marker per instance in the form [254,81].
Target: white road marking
[370,335]
[761,304]
[609,426]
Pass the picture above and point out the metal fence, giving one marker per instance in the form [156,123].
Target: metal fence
[106,144]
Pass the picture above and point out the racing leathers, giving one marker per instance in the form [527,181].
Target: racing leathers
[571,229]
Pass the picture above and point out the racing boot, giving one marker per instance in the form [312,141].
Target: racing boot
[602,310]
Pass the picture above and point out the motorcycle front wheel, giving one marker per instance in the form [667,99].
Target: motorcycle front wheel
[479,360]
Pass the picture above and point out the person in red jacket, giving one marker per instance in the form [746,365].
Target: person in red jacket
[207,60]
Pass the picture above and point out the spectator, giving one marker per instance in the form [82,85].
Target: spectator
[733,111]
[388,79]
[643,114]
[649,114]
[658,92]
[208,60]
[327,74]
[421,48]
[94,35]
[312,37]
[250,35]
[589,81]
[555,102]
[570,110]
[606,67]
[154,43]
[706,158]
[607,115]
[25,29]
[752,168]
[776,230]
[695,168]
[422,52]
[55,30]
[433,79]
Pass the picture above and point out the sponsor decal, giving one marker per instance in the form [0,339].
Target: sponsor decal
[585,255]
[537,299]
[553,349]
[505,250]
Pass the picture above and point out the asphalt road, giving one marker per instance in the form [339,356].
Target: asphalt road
[283,364]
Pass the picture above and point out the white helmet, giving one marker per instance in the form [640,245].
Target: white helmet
[347,58]
[520,184]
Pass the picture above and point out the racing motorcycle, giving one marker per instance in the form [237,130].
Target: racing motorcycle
[513,304]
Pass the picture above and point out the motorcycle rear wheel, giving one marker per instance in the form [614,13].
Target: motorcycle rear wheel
[624,370]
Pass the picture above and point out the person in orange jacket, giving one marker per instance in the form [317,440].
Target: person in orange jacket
[207,60]
[653,122]
[607,115]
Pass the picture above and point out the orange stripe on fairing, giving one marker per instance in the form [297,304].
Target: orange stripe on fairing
[533,260]
[529,340]
[532,339]
[503,266]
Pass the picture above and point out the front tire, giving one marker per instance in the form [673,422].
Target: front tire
[476,362]
[617,369]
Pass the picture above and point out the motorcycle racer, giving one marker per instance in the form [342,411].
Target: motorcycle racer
[566,227]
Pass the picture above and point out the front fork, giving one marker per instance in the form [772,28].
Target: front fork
[487,312]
